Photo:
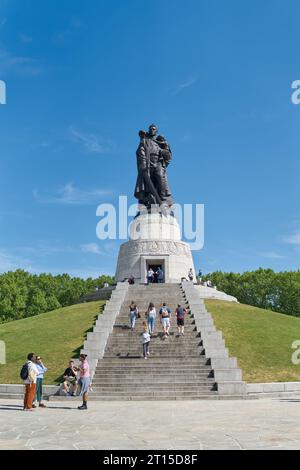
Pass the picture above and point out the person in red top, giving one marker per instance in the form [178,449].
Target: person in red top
[180,314]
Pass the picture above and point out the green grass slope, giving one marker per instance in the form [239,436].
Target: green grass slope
[56,336]
[260,339]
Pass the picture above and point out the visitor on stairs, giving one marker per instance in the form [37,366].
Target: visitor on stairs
[133,314]
[29,374]
[151,317]
[84,381]
[145,339]
[165,315]
[180,313]
[39,381]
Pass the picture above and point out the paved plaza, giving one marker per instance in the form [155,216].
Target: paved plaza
[166,425]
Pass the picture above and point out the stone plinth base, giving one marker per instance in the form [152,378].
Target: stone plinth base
[155,241]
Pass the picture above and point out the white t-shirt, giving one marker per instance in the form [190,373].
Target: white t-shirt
[32,373]
[145,337]
[152,313]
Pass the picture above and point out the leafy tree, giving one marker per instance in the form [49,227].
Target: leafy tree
[23,294]
[262,288]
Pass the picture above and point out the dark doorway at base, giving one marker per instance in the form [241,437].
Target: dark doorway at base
[155,267]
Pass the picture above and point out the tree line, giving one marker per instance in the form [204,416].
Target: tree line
[23,294]
[262,288]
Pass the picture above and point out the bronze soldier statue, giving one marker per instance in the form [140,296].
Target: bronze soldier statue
[153,157]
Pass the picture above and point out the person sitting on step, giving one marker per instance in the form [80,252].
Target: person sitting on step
[70,380]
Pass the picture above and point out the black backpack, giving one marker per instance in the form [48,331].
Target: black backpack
[24,372]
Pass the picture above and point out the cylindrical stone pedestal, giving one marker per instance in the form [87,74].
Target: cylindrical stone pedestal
[154,241]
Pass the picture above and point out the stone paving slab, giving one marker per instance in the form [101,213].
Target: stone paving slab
[196,425]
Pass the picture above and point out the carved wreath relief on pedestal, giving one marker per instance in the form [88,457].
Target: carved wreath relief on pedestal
[156,247]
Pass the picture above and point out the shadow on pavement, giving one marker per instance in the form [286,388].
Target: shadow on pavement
[20,408]
[290,400]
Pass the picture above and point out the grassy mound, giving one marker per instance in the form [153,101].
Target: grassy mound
[260,339]
[56,336]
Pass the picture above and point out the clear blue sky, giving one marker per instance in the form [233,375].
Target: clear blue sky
[83,77]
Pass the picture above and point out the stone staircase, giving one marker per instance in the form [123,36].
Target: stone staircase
[177,367]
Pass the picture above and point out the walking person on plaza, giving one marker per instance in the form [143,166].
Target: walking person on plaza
[29,373]
[165,315]
[133,314]
[84,381]
[180,314]
[39,381]
[151,317]
[145,339]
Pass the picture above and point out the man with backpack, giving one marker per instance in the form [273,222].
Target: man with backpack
[28,374]
[180,313]
[165,315]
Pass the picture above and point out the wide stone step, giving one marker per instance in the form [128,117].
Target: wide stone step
[164,346]
[154,351]
[152,372]
[171,397]
[152,358]
[148,384]
[124,331]
[159,384]
[145,398]
[159,393]
[127,379]
[139,363]
[138,354]
[148,367]
[168,350]
[157,338]
[190,374]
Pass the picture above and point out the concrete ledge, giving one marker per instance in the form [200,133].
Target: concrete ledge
[18,389]
[229,375]
[94,345]
[96,336]
[224,363]
[212,335]
[273,388]
[232,388]
[214,353]
[213,343]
